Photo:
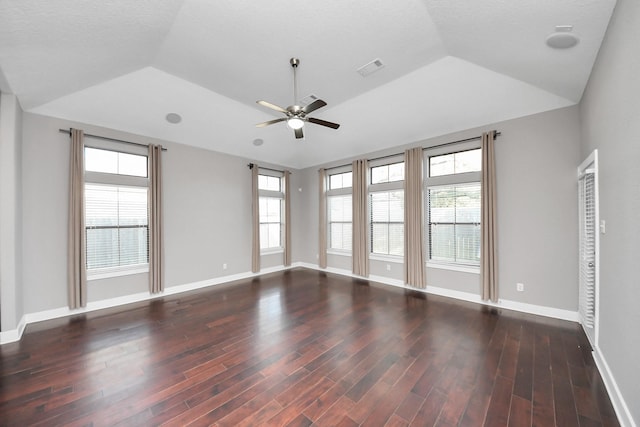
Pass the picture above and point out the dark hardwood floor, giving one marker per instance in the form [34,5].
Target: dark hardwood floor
[302,348]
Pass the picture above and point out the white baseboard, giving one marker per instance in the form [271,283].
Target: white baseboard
[539,310]
[15,334]
[618,402]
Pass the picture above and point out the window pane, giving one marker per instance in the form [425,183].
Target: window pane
[454,223]
[340,208]
[396,172]
[380,174]
[101,205]
[132,206]
[340,180]
[380,238]
[396,206]
[442,242]
[441,165]
[102,248]
[468,243]
[270,183]
[133,245]
[131,164]
[336,236]
[116,222]
[468,161]
[468,203]
[274,235]
[96,160]
[114,162]
[347,179]
[460,162]
[442,204]
[264,236]
[380,207]
[396,239]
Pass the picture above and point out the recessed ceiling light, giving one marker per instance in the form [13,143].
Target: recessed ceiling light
[562,38]
[174,118]
[258,142]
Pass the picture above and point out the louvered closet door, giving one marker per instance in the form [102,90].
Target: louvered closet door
[587,254]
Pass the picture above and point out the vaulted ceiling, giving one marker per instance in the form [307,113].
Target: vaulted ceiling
[449,65]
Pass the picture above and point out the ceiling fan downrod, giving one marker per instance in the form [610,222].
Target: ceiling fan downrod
[294,64]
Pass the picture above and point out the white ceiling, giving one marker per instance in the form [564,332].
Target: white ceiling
[450,65]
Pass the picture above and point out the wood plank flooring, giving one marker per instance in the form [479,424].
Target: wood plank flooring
[302,348]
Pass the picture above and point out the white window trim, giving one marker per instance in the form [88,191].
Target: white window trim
[397,259]
[272,251]
[345,191]
[106,273]
[447,181]
[383,187]
[463,268]
[103,178]
[341,252]
[275,195]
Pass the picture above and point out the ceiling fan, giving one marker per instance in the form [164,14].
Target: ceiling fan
[296,115]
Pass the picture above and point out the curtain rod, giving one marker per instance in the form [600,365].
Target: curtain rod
[67,131]
[251,165]
[423,148]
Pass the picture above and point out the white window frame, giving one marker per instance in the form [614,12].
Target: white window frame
[102,178]
[275,195]
[348,191]
[383,188]
[441,181]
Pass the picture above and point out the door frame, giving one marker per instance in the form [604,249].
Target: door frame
[590,165]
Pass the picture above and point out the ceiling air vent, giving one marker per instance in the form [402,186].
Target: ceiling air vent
[370,68]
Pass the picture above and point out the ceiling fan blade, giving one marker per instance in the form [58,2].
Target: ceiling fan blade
[323,123]
[318,103]
[298,133]
[270,122]
[272,106]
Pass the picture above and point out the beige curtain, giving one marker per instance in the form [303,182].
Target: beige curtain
[287,218]
[414,263]
[360,246]
[156,231]
[488,237]
[322,215]
[255,220]
[76,259]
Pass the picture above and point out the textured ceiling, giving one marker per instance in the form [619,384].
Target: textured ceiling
[449,65]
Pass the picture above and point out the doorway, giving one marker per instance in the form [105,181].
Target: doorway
[589,246]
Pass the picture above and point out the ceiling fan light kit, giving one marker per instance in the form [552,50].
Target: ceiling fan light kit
[296,115]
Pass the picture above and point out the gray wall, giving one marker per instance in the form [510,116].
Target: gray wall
[207,202]
[610,117]
[536,160]
[11,291]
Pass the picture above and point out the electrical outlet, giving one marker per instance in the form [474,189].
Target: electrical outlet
[388,267]
[224,266]
[520,287]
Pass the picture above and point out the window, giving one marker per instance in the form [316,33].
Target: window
[386,202]
[460,162]
[454,223]
[116,216]
[271,208]
[453,207]
[339,206]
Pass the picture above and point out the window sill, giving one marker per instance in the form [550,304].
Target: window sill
[454,267]
[117,272]
[387,258]
[272,251]
[338,252]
